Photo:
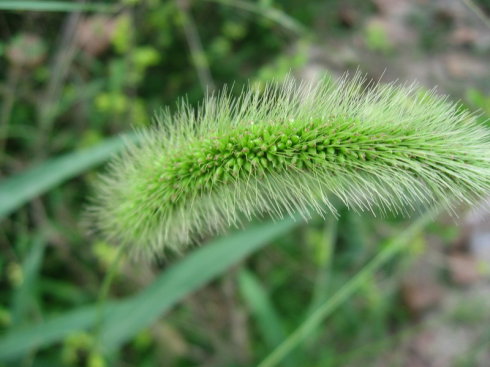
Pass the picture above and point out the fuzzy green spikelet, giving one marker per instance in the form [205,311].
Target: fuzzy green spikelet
[290,148]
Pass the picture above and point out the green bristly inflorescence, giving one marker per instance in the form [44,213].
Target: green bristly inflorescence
[290,148]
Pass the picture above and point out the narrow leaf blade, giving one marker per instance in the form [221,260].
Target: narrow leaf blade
[56,6]
[25,294]
[123,319]
[194,271]
[19,189]
[260,304]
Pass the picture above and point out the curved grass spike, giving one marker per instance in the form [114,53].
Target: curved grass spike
[289,148]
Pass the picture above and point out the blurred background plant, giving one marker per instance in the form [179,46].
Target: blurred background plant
[75,74]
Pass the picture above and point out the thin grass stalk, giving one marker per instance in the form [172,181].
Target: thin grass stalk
[394,247]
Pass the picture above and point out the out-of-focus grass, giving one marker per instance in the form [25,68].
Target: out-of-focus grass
[18,189]
[123,319]
[69,83]
[56,6]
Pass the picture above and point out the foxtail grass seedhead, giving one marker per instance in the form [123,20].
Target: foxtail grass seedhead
[289,148]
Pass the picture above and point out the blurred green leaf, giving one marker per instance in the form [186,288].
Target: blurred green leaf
[478,100]
[376,38]
[61,6]
[19,189]
[24,295]
[61,290]
[259,302]
[324,251]
[268,12]
[124,319]
[191,273]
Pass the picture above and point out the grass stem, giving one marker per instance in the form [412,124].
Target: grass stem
[387,253]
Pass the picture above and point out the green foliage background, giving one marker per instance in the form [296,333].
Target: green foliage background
[64,103]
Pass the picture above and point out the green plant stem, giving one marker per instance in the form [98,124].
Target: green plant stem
[9,97]
[48,108]
[478,12]
[196,49]
[270,13]
[104,290]
[388,252]
[324,269]
[56,6]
